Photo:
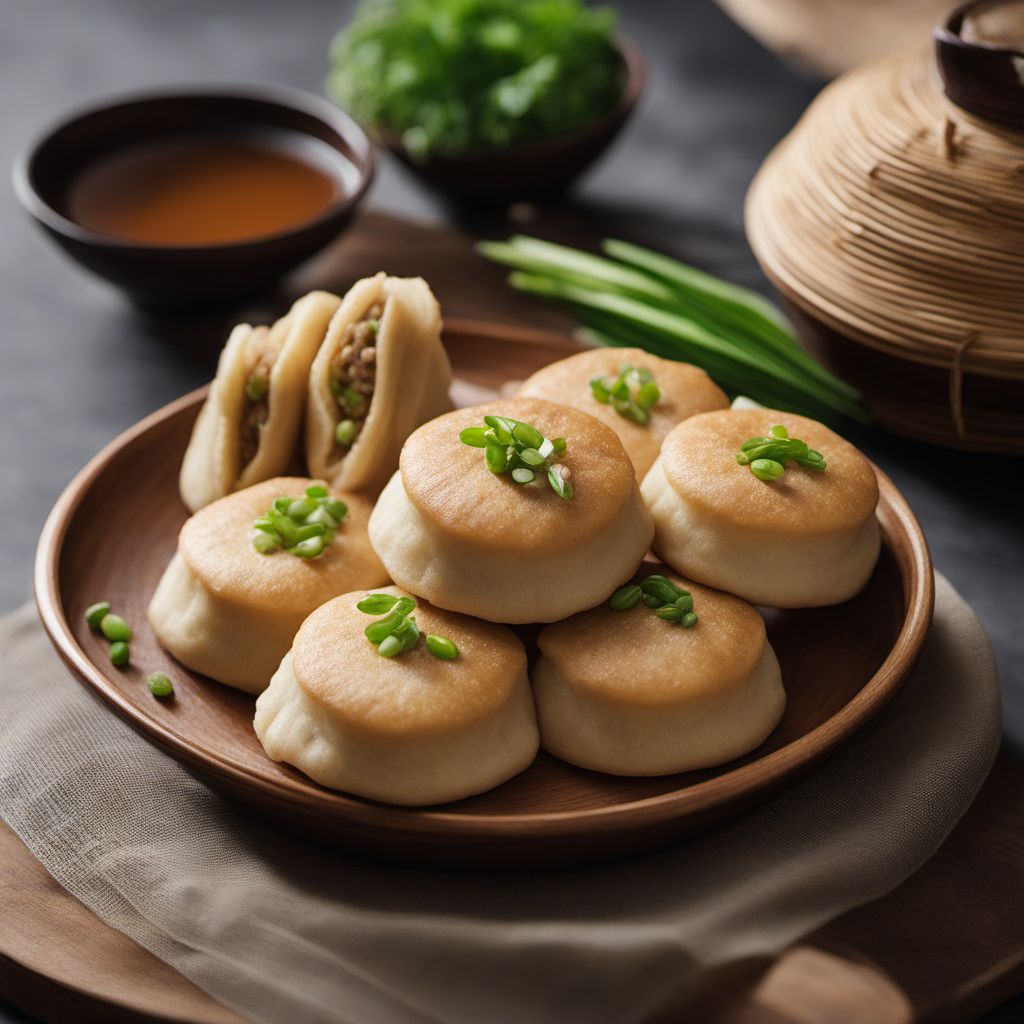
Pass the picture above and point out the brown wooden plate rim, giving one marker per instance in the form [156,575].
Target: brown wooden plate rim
[741,782]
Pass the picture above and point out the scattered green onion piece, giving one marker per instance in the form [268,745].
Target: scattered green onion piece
[264,543]
[522,475]
[336,508]
[441,647]
[95,613]
[316,491]
[309,548]
[473,437]
[559,444]
[113,627]
[599,391]
[309,531]
[496,457]
[377,631]
[409,633]
[377,604]
[159,685]
[390,646]
[119,653]
[767,469]
[532,457]
[300,508]
[625,597]
[684,603]
[688,620]
[345,433]
[669,612]
[321,517]
[651,601]
[660,588]
[779,431]
[647,395]
[404,605]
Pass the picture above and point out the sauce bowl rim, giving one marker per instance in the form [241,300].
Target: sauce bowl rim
[362,156]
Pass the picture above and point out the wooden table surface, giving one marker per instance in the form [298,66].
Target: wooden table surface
[80,365]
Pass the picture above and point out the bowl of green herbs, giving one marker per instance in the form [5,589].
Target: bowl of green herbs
[489,100]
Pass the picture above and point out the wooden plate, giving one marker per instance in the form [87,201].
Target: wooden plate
[114,529]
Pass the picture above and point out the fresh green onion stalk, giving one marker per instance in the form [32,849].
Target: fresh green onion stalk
[302,526]
[633,297]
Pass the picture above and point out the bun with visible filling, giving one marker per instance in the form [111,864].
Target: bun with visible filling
[381,371]
[248,428]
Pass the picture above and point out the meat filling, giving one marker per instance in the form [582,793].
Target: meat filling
[262,350]
[353,375]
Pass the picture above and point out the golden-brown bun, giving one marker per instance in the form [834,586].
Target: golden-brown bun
[406,730]
[411,386]
[630,694]
[807,539]
[476,542]
[685,391]
[212,466]
[225,610]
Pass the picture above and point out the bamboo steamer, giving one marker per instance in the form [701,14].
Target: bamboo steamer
[892,223]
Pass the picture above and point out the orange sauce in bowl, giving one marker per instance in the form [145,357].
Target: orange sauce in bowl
[208,190]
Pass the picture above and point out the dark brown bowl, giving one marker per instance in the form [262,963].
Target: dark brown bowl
[981,78]
[179,275]
[533,170]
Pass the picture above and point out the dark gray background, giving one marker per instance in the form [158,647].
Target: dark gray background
[79,365]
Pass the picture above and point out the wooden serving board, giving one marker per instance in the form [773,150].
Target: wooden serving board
[944,946]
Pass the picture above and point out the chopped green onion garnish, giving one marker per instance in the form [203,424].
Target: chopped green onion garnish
[303,526]
[625,597]
[441,647]
[377,604]
[159,685]
[95,613]
[398,632]
[520,448]
[631,394]
[661,595]
[119,653]
[390,646]
[767,456]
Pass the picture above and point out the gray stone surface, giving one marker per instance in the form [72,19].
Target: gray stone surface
[79,365]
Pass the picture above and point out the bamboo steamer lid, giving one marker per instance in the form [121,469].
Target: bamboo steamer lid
[892,219]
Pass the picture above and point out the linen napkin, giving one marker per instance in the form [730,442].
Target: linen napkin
[282,931]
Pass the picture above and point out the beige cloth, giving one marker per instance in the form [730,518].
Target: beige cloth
[281,931]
